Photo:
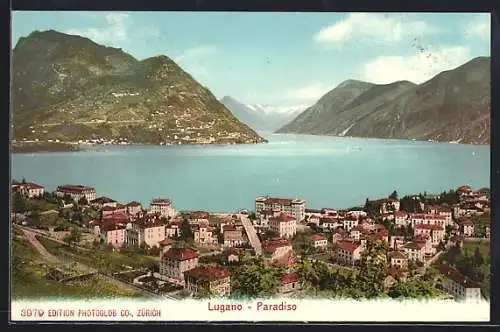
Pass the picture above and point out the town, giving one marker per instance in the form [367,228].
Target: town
[417,246]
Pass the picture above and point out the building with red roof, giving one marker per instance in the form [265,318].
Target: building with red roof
[28,189]
[284,225]
[149,230]
[208,280]
[276,248]
[318,241]
[76,192]
[292,207]
[113,233]
[102,202]
[460,286]
[173,229]
[163,207]
[176,261]
[466,227]
[289,282]
[415,251]
[134,208]
[398,258]
[203,234]
[349,252]
[464,190]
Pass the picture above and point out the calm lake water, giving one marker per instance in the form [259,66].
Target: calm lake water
[325,171]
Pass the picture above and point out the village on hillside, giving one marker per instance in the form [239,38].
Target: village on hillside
[420,246]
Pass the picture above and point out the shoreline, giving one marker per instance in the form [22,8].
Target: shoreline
[383,138]
[50,147]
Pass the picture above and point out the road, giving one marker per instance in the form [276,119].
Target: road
[423,269]
[44,234]
[251,234]
[79,267]
[31,236]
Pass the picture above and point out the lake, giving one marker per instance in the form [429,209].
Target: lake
[325,171]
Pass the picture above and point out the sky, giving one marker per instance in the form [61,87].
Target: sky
[282,59]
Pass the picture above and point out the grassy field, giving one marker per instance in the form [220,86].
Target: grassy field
[29,279]
[101,259]
[484,247]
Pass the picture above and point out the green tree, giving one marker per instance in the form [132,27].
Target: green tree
[394,195]
[73,237]
[478,258]
[186,231]
[372,271]
[254,279]
[309,275]
[18,203]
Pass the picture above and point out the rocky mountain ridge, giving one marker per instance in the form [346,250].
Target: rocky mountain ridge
[68,88]
[453,106]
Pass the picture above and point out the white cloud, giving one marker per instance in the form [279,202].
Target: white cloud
[417,68]
[194,60]
[307,94]
[479,27]
[372,27]
[196,53]
[114,31]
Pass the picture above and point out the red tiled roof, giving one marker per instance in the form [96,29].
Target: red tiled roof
[456,276]
[340,230]
[358,228]
[317,237]
[181,254]
[149,223]
[166,242]
[208,273]
[426,216]
[415,245]
[102,200]
[283,218]
[286,260]
[464,189]
[421,237]
[74,188]
[117,216]
[400,214]
[397,255]
[111,208]
[429,226]
[274,200]
[200,215]
[348,246]
[289,278]
[32,185]
[175,224]
[466,222]
[273,244]
[229,227]
[108,227]
[161,201]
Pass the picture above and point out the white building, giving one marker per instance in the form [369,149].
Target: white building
[163,207]
[284,225]
[76,192]
[29,190]
[293,207]
[460,286]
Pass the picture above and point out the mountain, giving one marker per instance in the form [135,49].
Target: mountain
[69,88]
[261,117]
[452,106]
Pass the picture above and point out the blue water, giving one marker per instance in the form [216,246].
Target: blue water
[325,171]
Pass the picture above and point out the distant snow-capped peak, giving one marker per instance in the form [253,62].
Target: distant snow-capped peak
[268,109]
